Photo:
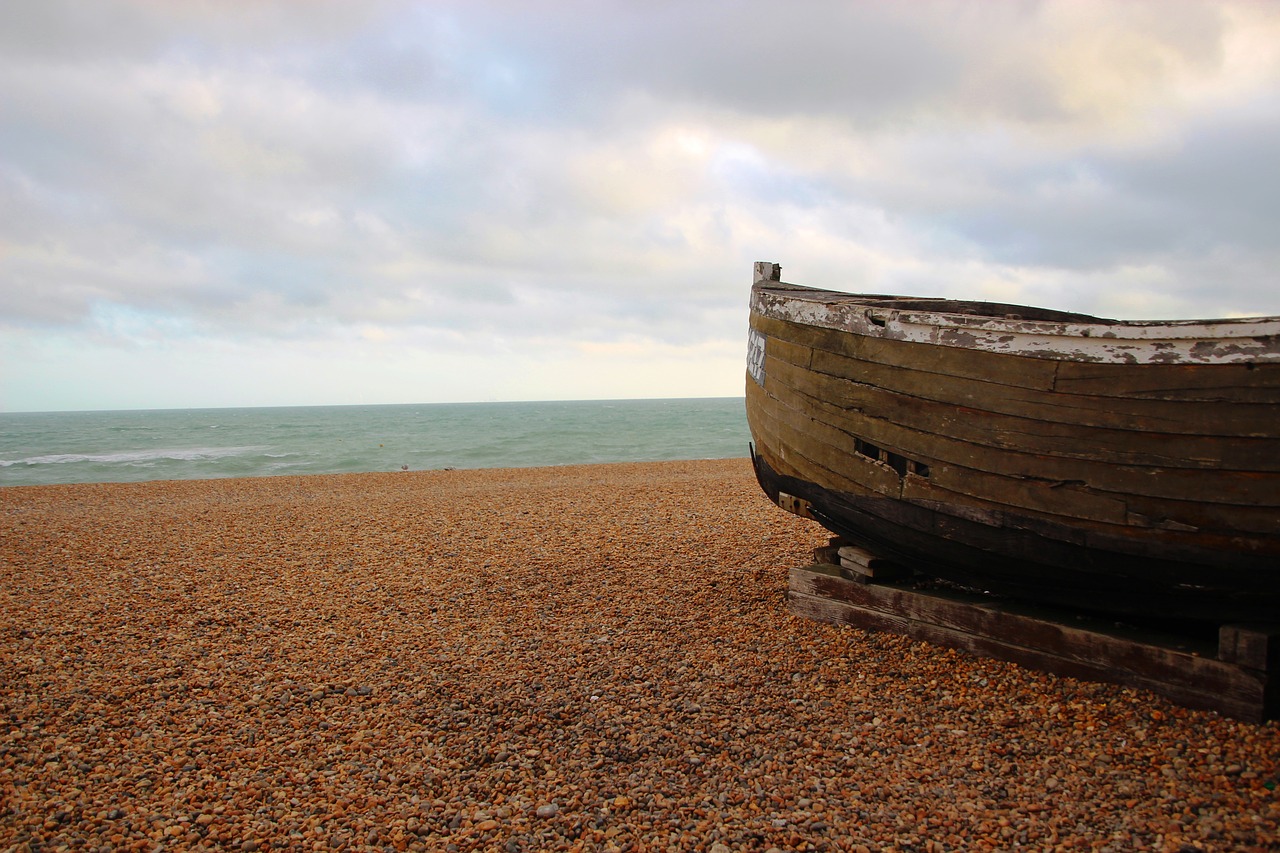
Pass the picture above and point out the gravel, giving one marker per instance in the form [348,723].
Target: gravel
[576,658]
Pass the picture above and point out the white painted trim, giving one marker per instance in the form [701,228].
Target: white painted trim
[1228,341]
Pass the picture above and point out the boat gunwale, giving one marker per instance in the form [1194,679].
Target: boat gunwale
[1074,337]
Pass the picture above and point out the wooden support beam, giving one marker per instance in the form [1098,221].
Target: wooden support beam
[1254,646]
[1240,678]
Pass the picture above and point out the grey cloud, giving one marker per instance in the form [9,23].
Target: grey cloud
[1211,187]
[265,171]
[864,63]
[1220,179]
[752,57]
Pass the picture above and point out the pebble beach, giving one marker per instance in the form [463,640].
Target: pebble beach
[569,658]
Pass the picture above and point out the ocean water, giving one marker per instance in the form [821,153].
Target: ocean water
[185,444]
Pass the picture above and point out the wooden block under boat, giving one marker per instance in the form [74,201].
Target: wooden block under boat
[857,563]
[863,562]
[827,554]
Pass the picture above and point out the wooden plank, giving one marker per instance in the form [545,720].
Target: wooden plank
[858,563]
[785,350]
[1129,536]
[1047,400]
[1234,488]
[883,571]
[1245,383]
[1211,544]
[1034,559]
[1026,625]
[808,443]
[1059,406]
[855,564]
[966,475]
[1248,418]
[786,460]
[828,555]
[760,408]
[1254,646]
[1231,502]
[1240,560]
[1243,379]
[1136,443]
[1014,371]
[1205,515]
[1039,641]
[1249,701]
[1037,438]
[859,556]
[762,419]
[1181,502]
[1024,331]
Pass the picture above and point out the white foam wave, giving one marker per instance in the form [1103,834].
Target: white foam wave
[135,457]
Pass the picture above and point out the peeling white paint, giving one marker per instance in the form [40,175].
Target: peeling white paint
[1229,341]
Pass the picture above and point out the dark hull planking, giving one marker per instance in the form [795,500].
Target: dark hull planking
[1086,479]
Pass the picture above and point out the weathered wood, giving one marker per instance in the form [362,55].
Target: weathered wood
[1255,646]
[1183,670]
[981,443]
[810,443]
[859,556]
[833,448]
[828,555]
[1003,370]
[863,563]
[1134,516]
[1245,472]
[1056,337]
[1041,561]
[1215,383]
[789,352]
[1103,489]
[885,571]
[1083,400]
[1137,442]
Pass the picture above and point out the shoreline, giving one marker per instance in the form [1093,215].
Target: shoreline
[561,657]
[399,472]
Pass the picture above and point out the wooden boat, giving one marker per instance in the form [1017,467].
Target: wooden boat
[1114,467]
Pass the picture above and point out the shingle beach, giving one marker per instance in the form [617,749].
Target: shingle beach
[576,658]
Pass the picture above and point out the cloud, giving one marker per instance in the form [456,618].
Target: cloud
[592,178]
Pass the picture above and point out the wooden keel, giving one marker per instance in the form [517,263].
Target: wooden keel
[1239,678]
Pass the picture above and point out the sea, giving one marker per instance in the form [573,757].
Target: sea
[187,444]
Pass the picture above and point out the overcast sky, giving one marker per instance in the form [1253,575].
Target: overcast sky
[284,203]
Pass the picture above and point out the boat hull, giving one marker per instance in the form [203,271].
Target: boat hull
[1132,474]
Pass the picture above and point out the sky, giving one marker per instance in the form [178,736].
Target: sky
[239,203]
